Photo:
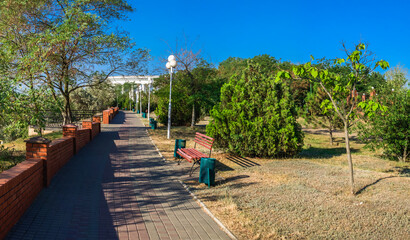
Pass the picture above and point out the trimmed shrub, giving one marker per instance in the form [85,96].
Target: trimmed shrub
[256,115]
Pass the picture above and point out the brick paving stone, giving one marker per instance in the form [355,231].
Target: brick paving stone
[116,187]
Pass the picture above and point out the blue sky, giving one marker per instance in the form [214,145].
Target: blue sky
[289,30]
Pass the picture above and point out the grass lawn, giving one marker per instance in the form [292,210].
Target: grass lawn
[307,196]
[16,151]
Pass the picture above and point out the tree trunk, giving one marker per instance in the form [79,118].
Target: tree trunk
[67,111]
[331,135]
[193,116]
[349,156]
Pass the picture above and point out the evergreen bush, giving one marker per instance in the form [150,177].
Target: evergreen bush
[256,115]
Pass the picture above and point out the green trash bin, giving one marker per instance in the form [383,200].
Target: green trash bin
[179,143]
[207,171]
[138,111]
[153,125]
[144,115]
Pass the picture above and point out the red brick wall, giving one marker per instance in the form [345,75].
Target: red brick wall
[97,119]
[106,117]
[19,187]
[94,126]
[95,130]
[60,151]
[55,154]
[109,114]
[82,138]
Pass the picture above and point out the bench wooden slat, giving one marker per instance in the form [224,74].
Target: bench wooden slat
[208,141]
[208,146]
[194,156]
[204,139]
[184,155]
[204,136]
[193,152]
[198,138]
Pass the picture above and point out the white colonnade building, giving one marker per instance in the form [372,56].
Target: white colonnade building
[143,83]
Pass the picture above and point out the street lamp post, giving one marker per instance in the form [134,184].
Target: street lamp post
[149,96]
[140,91]
[171,64]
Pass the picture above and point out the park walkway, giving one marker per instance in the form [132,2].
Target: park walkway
[117,187]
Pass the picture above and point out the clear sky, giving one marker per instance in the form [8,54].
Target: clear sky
[289,30]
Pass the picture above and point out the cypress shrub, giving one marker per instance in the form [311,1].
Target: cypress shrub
[256,115]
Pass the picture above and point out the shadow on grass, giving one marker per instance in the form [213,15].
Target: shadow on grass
[241,161]
[314,152]
[231,179]
[222,167]
[401,171]
[371,184]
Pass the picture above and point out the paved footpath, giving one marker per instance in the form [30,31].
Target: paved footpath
[117,187]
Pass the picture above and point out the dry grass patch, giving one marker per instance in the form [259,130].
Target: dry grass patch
[307,196]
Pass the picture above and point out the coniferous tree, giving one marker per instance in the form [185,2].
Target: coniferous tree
[256,115]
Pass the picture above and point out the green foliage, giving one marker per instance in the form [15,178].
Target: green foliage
[319,113]
[144,102]
[231,66]
[389,127]
[341,86]
[181,106]
[60,44]
[94,98]
[256,116]
[197,88]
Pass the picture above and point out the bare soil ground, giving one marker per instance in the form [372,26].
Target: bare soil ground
[306,197]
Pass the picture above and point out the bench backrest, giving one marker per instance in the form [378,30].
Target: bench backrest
[204,141]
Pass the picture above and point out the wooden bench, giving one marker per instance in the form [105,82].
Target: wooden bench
[194,156]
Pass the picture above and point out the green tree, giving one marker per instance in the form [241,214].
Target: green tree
[193,90]
[231,66]
[389,128]
[256,115]
[62,42]
[181,113]
[316,115]
[94,98]
[341,88]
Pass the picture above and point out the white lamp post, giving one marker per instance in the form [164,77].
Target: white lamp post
[140,91]
[171,64]
[149,95]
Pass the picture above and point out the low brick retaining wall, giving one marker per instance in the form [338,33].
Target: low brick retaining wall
[109,114]
[95,128]
[20,185]
[55,154]
[83,137]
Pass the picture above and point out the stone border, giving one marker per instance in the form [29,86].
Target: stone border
[198,201]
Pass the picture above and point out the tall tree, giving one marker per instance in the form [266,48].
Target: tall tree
[64,44]
[341,88]
[188,59]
